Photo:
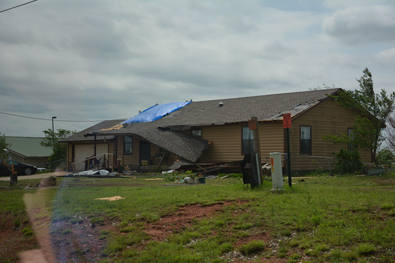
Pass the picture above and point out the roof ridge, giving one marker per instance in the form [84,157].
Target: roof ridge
[268,95]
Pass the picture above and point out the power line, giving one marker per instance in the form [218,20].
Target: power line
[44,119]
[17,6]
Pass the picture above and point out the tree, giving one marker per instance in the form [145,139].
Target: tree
[373,110]
[385,156]
[391,132]
[4,145]
[52,139]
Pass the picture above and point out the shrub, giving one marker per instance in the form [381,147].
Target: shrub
[348,162]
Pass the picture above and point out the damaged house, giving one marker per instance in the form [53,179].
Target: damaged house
[216,131]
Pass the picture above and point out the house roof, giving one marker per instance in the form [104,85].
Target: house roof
[28,146]
[203,113]
[265,108]
[79,136]
[163,133]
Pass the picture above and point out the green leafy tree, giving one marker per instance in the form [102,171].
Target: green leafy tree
[391,132]
[3,145]
[373,110]
[52,140]
[385,156]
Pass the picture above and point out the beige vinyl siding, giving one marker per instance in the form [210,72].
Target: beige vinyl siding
[227,141]
[271,136]
[69,154]
[326,118]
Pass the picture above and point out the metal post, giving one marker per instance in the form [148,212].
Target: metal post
[53,133]
[257,148]
[288,159]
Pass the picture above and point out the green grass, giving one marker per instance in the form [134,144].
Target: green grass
[325,219]
[252,247]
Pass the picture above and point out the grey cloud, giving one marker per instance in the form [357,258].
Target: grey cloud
[361,25]
[86,60]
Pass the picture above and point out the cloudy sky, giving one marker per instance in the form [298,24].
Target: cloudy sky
[96,60]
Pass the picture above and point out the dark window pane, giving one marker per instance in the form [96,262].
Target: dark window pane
[351,146]
[248,145]
[197,133]
[305,146]
[305,140]
[128,144]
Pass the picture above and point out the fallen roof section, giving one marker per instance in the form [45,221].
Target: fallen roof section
[178,143]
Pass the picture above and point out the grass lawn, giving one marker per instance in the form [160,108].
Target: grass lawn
[323,219]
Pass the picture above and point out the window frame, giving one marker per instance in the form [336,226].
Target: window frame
[242,139]
[125,143]
[300,139]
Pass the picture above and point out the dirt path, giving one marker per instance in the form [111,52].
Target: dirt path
[35,176]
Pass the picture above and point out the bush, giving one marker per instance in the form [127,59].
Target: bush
[348,162]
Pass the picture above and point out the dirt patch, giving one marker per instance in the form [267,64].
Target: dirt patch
[12,239]
[183,218]
[78,241]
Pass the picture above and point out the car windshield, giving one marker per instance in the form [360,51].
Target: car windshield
[12,162]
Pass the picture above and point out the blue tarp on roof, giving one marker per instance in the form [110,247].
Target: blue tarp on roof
[156,112]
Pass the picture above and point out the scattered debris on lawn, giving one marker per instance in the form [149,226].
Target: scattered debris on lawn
[97,172]
[114,198]
[168,172]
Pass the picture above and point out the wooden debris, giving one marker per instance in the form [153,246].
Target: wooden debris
[114,198]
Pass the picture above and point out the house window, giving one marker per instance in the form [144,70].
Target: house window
[247,142]
[351,146]
[197,133]
[128,145]
[305,140]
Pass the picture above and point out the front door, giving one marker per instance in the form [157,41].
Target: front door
[145,152]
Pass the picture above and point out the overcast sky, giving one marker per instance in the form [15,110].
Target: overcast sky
[96,60]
